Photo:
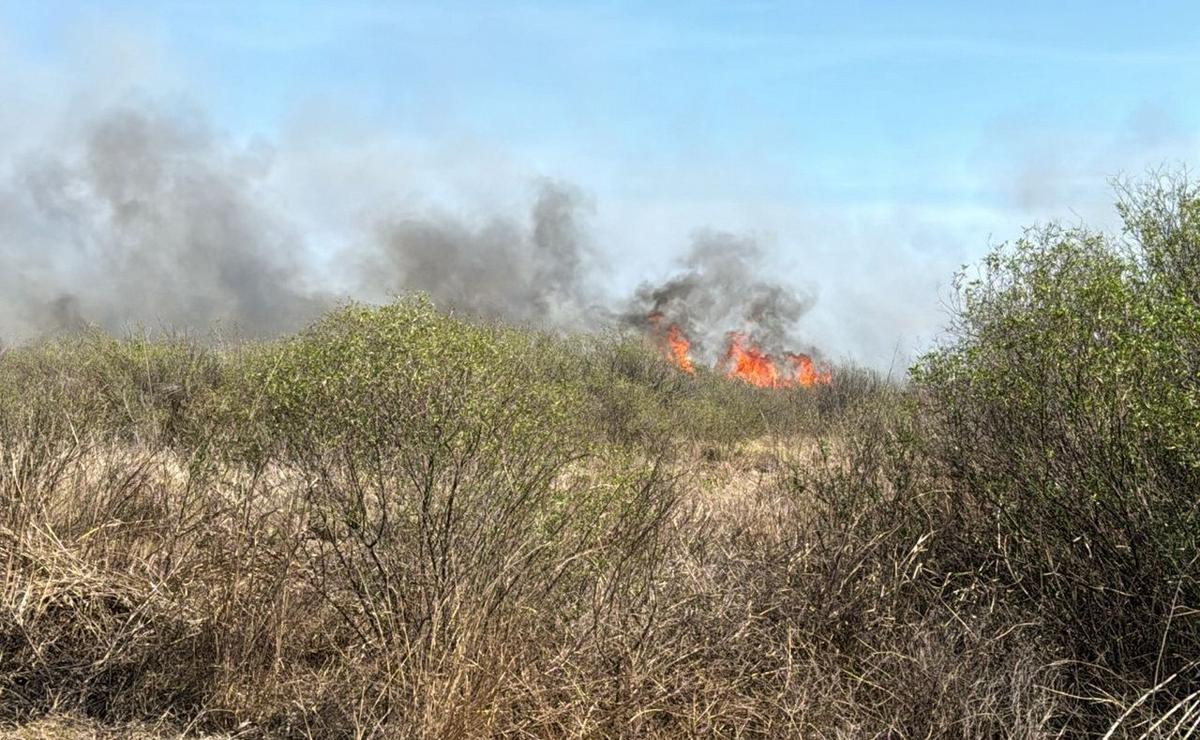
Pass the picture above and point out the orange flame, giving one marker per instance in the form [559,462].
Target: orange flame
[747,362]
[679,349]
[743,359]
[673,341]
[805,374]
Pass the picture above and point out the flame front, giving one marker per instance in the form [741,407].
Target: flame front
[743,359]
[805,373]
[747,362]
[679,344]
[673,341]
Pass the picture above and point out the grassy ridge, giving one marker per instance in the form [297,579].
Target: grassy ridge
[399,522]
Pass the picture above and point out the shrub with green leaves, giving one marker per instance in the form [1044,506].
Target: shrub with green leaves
[139,387]
[405,375]
[1064,408]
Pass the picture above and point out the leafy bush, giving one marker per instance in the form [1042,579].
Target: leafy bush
[1064,410]
[402,376]
[141,387]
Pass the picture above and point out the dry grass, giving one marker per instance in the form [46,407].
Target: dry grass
[140,590]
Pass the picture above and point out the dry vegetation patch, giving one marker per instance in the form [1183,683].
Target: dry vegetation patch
[401,524]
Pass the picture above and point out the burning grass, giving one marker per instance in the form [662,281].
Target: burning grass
[742,360]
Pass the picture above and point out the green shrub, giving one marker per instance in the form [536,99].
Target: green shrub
[140,387]
[402,375]
[1063,408]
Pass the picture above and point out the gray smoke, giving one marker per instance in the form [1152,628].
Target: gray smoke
[143,217]
[536,272]
[722,287]
[150,219]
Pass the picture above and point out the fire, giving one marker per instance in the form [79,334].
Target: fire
[743,359]
[805,374]
[747,362]
[673,341]
[679,349]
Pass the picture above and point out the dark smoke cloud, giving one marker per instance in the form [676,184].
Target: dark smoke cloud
[147,218]
[536,272]
[722,287]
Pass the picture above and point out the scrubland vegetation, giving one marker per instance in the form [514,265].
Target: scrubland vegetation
[402,523]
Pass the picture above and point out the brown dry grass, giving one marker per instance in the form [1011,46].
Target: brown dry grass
[205,601]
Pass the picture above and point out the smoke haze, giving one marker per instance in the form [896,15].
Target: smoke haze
[572,169]
[152,218]
[535,272]
[134,213]
[149,219]
[721,287]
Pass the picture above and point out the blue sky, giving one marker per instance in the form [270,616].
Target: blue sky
[875,146]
